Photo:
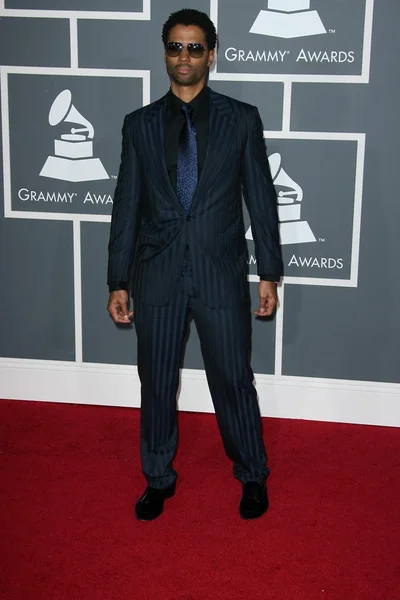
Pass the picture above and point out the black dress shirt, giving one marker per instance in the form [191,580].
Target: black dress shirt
[199,111]
[174,125]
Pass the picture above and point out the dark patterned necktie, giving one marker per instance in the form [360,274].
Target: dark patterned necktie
[187,170]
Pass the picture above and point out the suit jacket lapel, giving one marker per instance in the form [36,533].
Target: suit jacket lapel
[153,140]
[221,128]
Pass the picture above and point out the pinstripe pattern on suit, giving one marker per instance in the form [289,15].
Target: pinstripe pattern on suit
[225,343]
[198,262]
[149,223]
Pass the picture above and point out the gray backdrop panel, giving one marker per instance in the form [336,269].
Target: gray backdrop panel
[104,101]
[329,331]
[327,207]
[103,341]
[268,97]
[243,51]
[37,294]
[36,303]
[135,45]
[34,42]
[100,5]
[344,333]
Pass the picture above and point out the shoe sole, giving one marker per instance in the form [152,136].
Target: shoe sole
[248,517]
[252,518]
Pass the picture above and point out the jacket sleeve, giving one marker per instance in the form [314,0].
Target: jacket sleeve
[260,197]
[125,213]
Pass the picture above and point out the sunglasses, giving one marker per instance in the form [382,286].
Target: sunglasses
[174,49]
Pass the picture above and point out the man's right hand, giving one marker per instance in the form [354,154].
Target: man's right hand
[118,307]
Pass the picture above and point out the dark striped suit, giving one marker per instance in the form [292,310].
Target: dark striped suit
[197,260]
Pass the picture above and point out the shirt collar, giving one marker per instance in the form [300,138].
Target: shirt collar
[197,105]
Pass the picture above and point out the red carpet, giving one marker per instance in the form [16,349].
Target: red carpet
[70,475]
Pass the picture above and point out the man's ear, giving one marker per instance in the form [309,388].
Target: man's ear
[211,58]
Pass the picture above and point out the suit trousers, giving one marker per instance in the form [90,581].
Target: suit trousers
[225,338]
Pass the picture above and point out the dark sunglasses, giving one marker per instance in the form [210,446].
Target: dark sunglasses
[174,49]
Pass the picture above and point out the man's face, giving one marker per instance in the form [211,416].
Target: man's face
[183,69]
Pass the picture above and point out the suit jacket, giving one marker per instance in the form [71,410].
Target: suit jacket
[150,229]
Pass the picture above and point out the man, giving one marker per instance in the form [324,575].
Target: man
[178,240]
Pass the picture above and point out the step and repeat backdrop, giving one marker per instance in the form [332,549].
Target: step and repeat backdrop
[324,76]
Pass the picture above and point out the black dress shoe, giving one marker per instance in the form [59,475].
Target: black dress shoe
[254,501]
[150,505]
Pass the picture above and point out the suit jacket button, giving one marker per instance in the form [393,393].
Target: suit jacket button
[188,218]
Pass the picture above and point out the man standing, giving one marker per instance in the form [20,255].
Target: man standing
[178,241]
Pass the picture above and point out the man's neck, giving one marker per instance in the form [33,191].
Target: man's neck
[186,93]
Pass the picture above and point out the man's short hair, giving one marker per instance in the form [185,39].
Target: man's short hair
[187,17]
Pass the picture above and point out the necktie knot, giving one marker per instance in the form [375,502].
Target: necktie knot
[187,111]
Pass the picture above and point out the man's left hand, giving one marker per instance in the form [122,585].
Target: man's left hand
[268,298]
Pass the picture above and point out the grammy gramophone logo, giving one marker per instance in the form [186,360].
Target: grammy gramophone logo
[288,19]
[290,195]
[73,153]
